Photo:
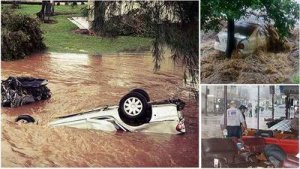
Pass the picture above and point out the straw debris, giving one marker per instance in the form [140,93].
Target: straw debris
[260,67]
[277,62]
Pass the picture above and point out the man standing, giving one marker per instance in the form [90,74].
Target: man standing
[235,122]
[243,109]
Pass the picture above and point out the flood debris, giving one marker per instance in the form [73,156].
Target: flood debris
[276,44]
[261,66]
[18,91]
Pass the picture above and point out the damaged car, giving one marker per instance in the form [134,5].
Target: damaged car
[276,147]
[248,37]
[18,91]
[250,152]
[134,113]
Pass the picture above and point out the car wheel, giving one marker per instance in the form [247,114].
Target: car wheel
[241,45]
[274,154]
[133,106]
[25,119]
[142,92]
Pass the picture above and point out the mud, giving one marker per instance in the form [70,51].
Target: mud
[261,67]
[78,83]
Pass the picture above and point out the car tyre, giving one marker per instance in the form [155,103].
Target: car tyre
[274,154]
[142,92]
[133,106]
[25,119]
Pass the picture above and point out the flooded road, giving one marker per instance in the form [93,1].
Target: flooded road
[80,83]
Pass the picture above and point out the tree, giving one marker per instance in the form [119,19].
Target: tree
[47,9]
[284,14]
[172,24]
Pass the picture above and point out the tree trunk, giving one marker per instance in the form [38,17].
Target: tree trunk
[15,4]
[41,13]
[44,3]
[99,16]
[230,38]
[52,9]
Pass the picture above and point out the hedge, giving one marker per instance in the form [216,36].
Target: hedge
[20,35]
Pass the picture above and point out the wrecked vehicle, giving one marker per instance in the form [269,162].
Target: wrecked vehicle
[275,148]
[248,38]
[18,91]
[135,112]
[250,152]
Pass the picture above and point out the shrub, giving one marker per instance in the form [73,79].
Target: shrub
[84,11]
[20,36]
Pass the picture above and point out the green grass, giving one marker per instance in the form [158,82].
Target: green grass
[59,37]
[62,9]
[297,79]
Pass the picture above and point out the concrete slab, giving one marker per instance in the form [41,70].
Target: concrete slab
[80,22]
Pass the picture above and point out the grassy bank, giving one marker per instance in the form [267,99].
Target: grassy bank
[297,79]
[59,36]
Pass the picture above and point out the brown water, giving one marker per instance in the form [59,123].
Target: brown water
[79,82]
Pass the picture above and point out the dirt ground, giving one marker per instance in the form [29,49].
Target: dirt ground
[261,67]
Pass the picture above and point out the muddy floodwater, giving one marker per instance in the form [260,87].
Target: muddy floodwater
[80,82]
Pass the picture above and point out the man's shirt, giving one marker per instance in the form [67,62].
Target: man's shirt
[234,117]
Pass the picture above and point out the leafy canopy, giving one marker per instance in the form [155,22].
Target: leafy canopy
[172,24]
[284,13]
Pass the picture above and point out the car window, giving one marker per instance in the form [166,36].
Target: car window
[244,29]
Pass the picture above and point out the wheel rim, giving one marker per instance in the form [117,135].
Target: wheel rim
[133,106]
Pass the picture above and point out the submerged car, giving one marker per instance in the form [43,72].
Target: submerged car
[18,91]
[248,38]
[135,112]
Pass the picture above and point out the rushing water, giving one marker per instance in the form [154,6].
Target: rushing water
[79,82]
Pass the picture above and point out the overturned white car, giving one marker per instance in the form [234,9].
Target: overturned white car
[248,37]
[134,113]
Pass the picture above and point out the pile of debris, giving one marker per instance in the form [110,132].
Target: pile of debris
[17,91]
[259,67]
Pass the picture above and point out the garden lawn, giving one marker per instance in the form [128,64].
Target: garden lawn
[59,36]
